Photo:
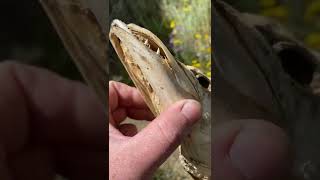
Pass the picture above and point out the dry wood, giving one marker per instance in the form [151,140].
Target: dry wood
[162,81]
[261,71]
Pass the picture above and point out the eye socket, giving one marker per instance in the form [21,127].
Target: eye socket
[297,62]
[297,68]
[203,80]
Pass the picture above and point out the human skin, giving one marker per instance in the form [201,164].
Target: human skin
[241,149]
[136,155]
[250,149]
[49,125]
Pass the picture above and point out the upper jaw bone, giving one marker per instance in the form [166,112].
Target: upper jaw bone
[120,24]
[152,68]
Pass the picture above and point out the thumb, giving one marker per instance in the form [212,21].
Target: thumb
[162,136]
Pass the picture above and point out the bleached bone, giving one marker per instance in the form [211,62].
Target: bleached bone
[162,80]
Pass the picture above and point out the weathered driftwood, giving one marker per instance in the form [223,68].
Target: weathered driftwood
[162,81]
[84,39]
[261,71]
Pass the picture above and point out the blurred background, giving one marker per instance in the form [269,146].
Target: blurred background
[27,36]
[301,17]
[183,25]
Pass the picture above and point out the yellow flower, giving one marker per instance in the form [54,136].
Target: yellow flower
[197,36]
[177,42]
[208,64]
[194,61]
[197,65]
[187,8]
[208,74]
[209,49]
[172,24]
[206,36]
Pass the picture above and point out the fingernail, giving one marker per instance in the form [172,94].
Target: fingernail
[191,110]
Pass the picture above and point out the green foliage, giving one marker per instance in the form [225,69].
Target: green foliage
[146,13]
[190,38]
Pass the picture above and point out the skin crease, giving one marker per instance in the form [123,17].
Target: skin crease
[52,125]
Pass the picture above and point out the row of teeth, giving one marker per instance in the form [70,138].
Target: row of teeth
[146,42]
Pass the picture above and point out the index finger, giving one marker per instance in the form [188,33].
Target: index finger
[124,96]
[126,101]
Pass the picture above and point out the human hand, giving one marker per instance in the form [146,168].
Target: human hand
[49,125]
[249,150]
[136,155]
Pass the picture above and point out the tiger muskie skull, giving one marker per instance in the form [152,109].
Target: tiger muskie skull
[162,81]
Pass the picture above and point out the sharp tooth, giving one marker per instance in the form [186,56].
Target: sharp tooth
[158,51]
[146,42]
